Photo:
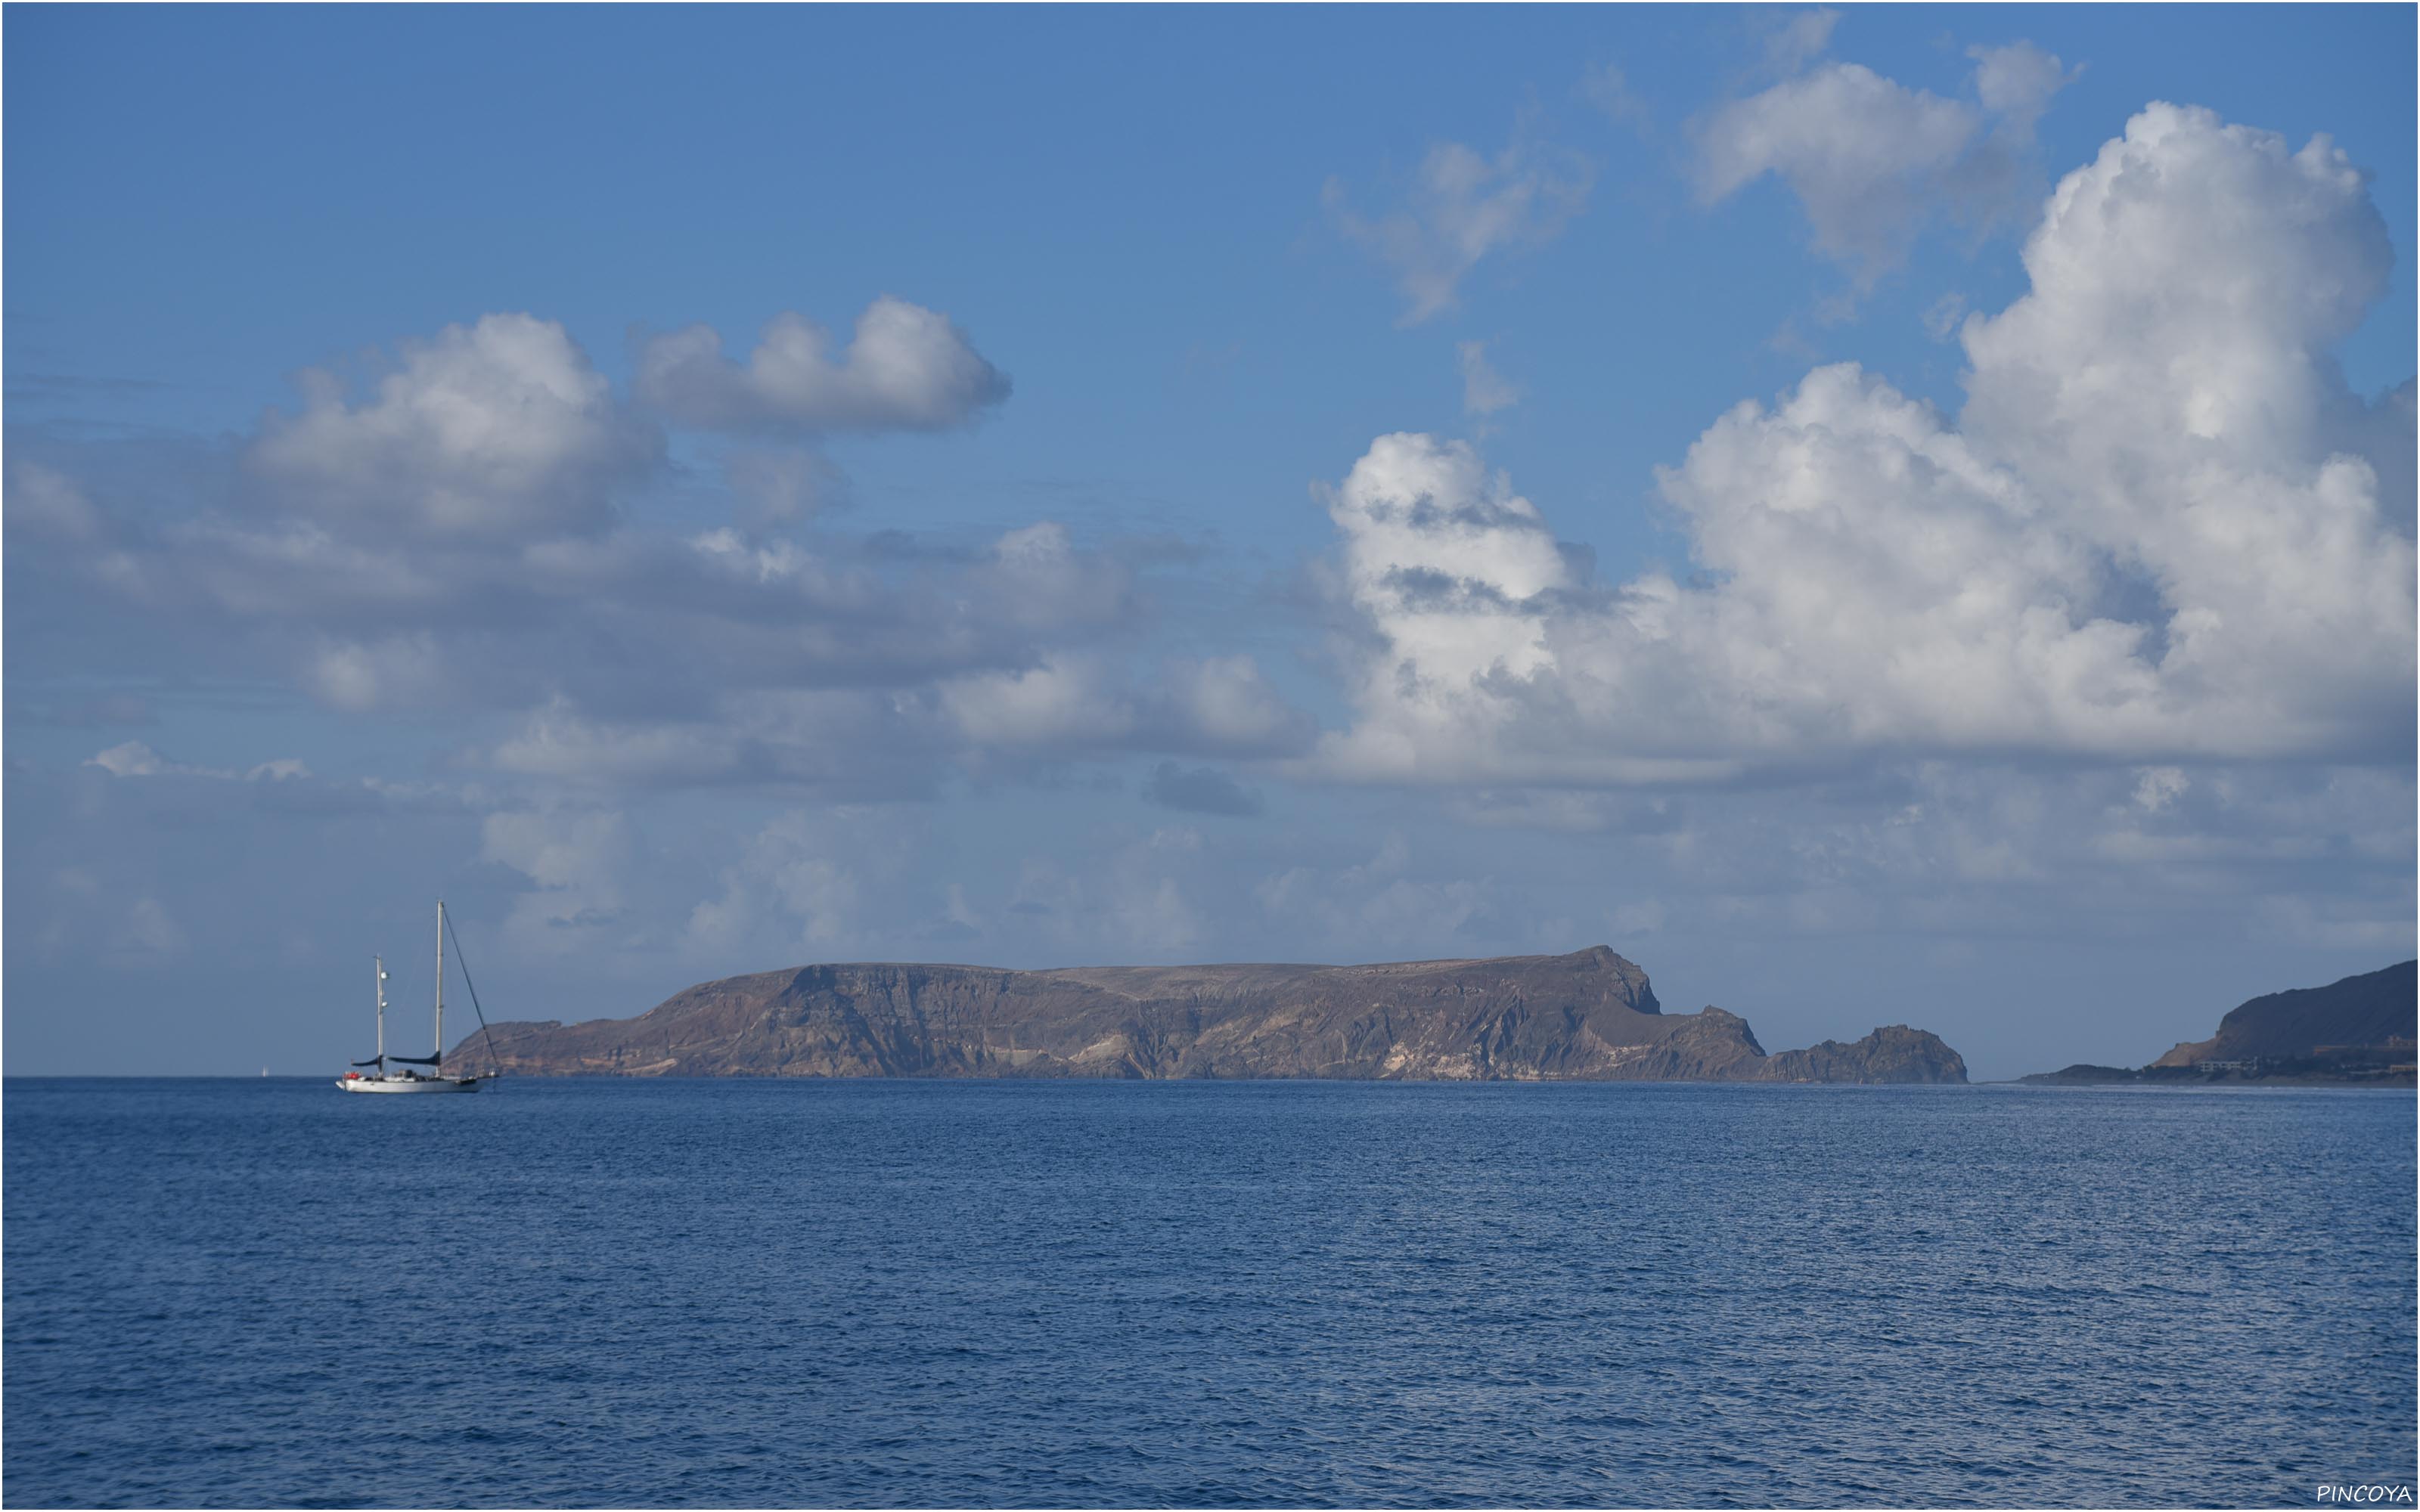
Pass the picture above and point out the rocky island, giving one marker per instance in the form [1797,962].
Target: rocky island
[1588,1016]
[2357,1031]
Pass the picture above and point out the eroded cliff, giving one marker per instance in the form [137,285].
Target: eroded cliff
[1589,1015]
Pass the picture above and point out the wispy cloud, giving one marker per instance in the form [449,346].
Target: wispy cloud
[134,759]
[1606,86]
[1485,391]
[1869,159]
[1463,207]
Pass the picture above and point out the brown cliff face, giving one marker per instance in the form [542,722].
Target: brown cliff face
[1585,1016]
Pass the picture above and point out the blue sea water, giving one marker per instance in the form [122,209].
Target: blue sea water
[926,1293]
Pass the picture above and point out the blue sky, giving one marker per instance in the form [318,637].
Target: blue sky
[2044,680]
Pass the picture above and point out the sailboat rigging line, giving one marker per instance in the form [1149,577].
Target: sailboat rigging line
[485,1036]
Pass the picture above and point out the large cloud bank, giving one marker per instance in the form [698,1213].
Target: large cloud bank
[2159,529]
[468,534]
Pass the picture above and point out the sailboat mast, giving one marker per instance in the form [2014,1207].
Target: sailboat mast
[380,962]
[441,982]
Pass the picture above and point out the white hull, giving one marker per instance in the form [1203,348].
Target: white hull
[412,1083]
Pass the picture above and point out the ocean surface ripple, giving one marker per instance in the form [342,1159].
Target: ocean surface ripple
[667,1293]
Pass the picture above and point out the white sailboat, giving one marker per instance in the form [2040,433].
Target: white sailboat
[409,1080]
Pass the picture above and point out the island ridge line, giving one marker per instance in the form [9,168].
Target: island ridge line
[1587,1016]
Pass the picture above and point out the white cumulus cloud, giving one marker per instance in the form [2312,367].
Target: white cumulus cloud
[1069,704]
[1066,701]
[2147,536]
[494,430]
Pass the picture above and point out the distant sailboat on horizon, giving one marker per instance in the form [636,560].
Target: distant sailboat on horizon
[409,1080]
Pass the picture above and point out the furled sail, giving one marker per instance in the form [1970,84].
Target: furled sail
[375,1061]
[416,1060]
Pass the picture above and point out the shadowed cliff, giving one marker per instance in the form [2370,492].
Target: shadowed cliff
[2357,1030]
[1586,1016]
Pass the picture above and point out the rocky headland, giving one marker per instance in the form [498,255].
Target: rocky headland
[1588,1017]
[2357,1031]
